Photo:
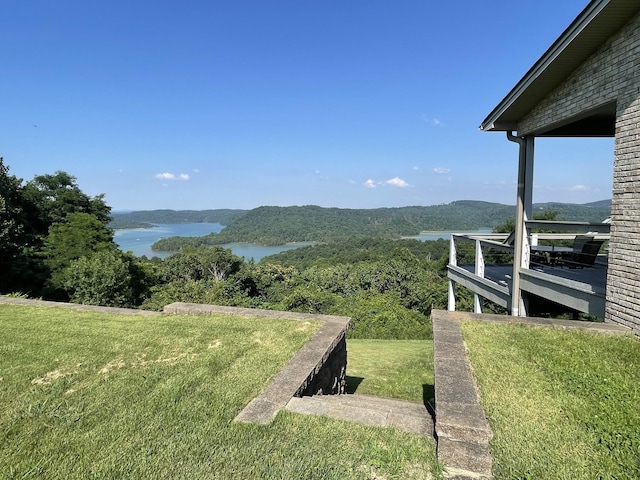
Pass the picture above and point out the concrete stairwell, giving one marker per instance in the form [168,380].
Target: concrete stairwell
[382,412]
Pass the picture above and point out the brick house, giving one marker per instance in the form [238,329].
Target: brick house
[587,84]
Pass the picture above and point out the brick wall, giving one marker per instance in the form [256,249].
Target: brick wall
[612,74]
[623,281]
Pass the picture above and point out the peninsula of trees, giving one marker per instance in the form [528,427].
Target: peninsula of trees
[268,225]
[148,218]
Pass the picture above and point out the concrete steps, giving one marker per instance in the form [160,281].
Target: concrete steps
[381,412]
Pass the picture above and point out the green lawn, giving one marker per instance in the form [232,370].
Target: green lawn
[391,368]
[91,395]
[562,404]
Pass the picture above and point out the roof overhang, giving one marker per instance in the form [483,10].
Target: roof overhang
[593,26]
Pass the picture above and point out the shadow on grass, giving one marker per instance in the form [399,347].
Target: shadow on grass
[352,383]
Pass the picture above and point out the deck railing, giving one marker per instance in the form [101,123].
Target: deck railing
[480,250]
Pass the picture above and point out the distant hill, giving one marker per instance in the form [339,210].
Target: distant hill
[599,204]
[269,225]
[587,212]
[146,218]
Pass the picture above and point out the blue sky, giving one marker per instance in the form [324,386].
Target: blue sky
[237,104]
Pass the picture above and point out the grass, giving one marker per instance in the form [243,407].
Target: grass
[561,404]
[391,368]
[93,395]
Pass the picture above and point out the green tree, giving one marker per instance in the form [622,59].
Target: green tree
[13,228]
[267,282]
[509,224]
[103,278]
[382,316]
[306,299]
[58,195]
[27,213]
[200,275]
[187,290]
[144,273]
[202,263]
[79,235]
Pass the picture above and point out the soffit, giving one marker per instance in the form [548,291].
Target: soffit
[594,26]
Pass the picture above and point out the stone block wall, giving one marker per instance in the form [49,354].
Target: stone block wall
[610,75]
[329,378]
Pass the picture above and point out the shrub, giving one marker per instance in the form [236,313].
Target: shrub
[308,300]
[381,316]
[100,279]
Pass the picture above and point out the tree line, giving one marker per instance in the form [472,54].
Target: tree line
[147,218]
[281,225]
[56,243]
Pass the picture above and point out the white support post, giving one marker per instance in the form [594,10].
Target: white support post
[478,301]
[451,303]
[523,212]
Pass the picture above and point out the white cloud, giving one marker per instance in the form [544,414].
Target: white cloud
[442,170]
[171,176]
[579,188]
[397,182]
[392,182]
[436,122]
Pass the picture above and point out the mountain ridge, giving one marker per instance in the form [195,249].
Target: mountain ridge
[275,225]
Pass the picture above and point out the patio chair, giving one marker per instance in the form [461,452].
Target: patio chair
[579,242]
[586,257]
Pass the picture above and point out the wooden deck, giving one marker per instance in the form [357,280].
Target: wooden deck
[582,289]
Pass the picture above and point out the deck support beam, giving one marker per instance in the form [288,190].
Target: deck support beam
[524,202]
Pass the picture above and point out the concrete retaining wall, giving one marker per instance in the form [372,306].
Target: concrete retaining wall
[319,367]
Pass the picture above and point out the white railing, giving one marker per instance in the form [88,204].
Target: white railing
[493,244]
[482,244]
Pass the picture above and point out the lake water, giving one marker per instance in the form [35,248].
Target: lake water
[425,236]
[139,240]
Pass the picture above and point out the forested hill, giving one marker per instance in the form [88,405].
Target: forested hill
[276,225]
[587,212]
[144,218]
[270,225]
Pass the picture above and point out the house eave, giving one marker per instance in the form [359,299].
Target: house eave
[593,26]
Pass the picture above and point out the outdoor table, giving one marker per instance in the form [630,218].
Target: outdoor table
[549,254]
